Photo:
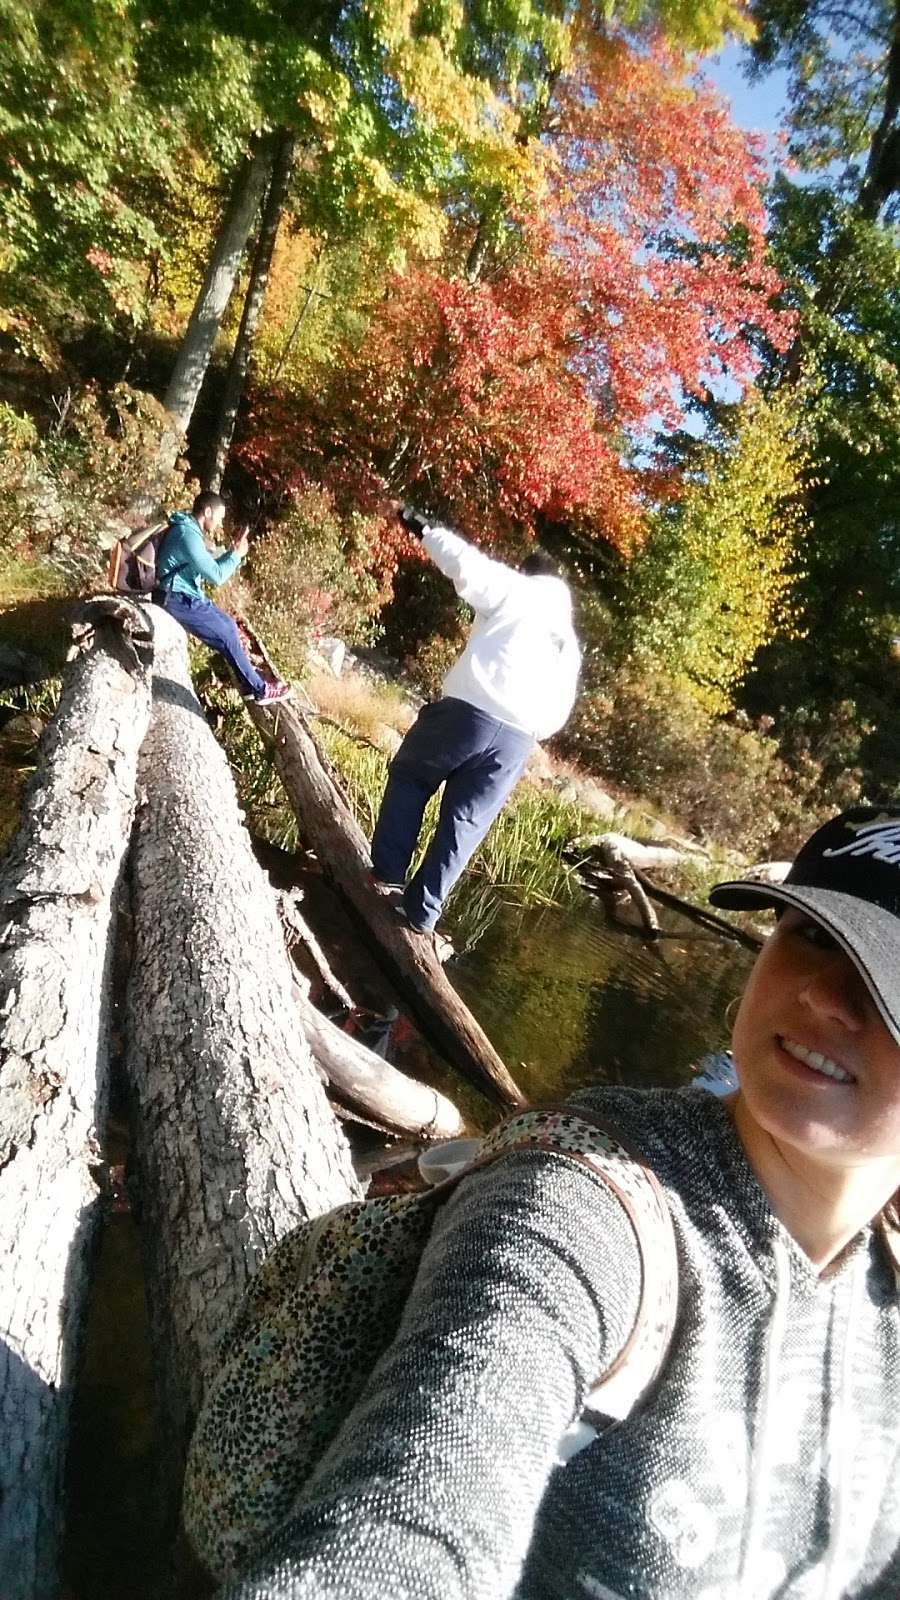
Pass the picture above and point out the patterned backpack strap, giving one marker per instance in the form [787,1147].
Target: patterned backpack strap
[596,1144]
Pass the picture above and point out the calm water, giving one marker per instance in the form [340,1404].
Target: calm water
[568,1000]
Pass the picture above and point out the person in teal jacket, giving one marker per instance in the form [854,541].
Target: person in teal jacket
[184,564]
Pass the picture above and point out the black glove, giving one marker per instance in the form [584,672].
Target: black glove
[413,521]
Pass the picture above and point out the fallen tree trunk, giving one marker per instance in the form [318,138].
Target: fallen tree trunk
[362,1080]
[56,893]
[626,884]
[298,932]
[583,851]
[744,936]
[634,851]
[367,1083]
[328,826]
[235,1142]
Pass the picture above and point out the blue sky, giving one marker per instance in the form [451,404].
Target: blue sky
[758,106]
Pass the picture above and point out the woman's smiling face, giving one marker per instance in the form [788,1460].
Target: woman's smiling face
[818,1068]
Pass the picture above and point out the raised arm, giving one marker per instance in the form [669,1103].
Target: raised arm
[213,569]
[526,1292]
[484,584]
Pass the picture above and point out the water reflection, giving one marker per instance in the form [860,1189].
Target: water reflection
[570,1000]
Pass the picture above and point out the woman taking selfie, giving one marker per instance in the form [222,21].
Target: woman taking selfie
[765,1462]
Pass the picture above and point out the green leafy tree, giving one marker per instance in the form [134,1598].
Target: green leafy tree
[835,241]
[393,106]
[74,129]
[713,583]
[851,585]
[843,66]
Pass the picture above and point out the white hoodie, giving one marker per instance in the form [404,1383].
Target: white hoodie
[522,658]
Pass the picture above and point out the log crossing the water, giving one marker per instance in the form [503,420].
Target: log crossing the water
[329,828]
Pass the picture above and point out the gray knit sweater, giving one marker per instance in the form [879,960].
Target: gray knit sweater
[765,1467]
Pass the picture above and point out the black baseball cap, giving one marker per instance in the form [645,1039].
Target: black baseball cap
[847,878]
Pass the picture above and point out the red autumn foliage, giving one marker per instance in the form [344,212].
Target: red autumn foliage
[656,224]
[515,398]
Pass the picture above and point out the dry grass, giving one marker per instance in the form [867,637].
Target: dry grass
[359,705]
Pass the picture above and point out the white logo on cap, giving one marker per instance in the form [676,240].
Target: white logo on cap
[879,839]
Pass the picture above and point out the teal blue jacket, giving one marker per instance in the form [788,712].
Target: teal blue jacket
[184,561]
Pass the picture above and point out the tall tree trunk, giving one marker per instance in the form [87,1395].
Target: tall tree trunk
[212,300]
[328,826]
[193,357]
[235,1143]
[56,892]
[253,304]
[217,286]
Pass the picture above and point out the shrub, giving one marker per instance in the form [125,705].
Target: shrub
[713,581]
[60,493]
[429,663]
[425,625]
[726,781]
[825,755]
[309,576]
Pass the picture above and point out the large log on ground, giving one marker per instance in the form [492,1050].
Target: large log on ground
[56,897]
[234,1140]
[328,826]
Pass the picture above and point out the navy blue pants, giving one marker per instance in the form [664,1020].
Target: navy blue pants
[215,628]
[479,761]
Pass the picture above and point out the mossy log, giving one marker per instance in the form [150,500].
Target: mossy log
[57,888]
[234,1140]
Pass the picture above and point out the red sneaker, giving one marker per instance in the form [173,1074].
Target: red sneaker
[274,691]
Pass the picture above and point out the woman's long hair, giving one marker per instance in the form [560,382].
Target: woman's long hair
[888,1225]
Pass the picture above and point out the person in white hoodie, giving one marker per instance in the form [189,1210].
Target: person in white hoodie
[515,682]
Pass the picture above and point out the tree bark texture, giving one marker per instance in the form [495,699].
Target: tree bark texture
[56,896]
[217,286]
[235,1142]
[253,304]
[328,826]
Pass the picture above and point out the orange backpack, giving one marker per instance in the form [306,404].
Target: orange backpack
[132,560]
